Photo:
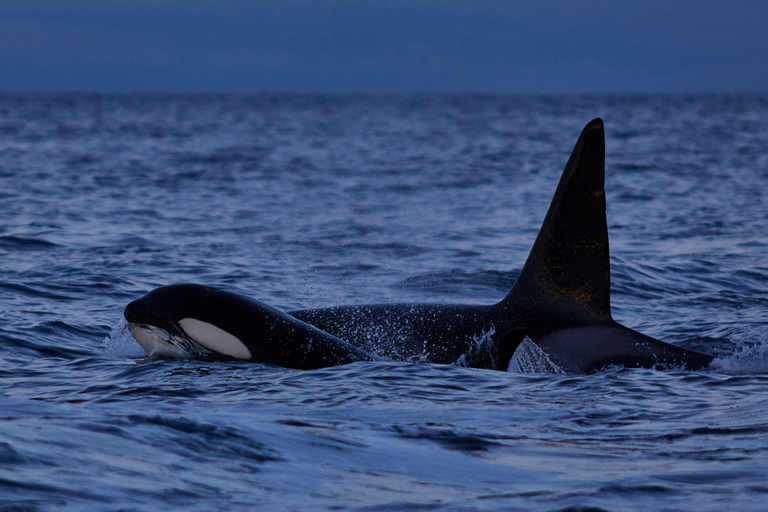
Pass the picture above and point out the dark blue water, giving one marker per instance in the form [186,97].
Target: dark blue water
[304,201]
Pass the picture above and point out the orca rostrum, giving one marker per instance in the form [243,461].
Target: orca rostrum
[560,302]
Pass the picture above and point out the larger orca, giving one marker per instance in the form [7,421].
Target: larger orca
[560,301]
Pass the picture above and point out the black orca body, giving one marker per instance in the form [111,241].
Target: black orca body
[561,301]
[184,319]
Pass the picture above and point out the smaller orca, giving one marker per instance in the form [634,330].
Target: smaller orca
[560,301]
[183,319]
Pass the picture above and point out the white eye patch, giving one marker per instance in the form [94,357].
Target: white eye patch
[214,338]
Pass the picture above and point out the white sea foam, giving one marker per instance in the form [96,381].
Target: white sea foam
[751,358]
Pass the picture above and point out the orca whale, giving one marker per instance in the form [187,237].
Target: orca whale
[560,301]
[184,319]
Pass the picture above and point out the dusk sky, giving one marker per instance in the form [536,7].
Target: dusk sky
[366,46]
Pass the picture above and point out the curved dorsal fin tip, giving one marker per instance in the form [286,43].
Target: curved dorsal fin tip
[593,124]
[587,160]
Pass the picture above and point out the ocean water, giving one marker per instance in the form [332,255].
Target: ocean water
[304,201]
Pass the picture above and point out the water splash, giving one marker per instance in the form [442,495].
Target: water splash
[529,358]
[484,354]
[120,343]
[750,358]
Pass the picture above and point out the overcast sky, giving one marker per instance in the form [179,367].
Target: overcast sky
[380,46]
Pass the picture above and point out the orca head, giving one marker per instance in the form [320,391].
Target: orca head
[182,320]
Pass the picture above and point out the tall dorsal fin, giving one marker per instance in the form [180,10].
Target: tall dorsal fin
[567,274]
